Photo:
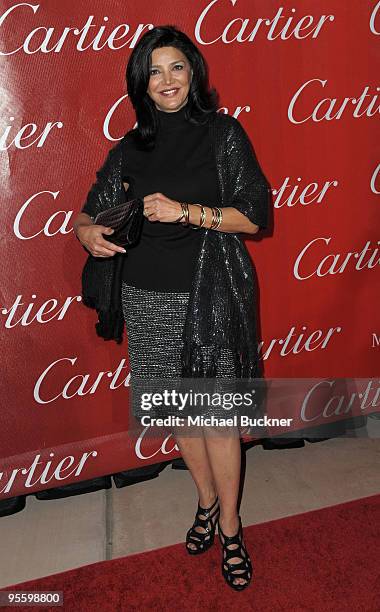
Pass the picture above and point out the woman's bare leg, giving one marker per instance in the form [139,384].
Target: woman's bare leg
[193,451]
[224,453]
[214,462]
[194,454]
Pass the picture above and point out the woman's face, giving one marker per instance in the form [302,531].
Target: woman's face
[170,77]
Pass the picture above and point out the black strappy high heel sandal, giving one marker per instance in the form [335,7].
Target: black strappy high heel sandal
[205,538]
[233,546]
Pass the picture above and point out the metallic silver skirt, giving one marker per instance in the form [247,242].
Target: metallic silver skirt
[154,322]
[154,325]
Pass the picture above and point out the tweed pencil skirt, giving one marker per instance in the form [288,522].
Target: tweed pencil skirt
[154,322]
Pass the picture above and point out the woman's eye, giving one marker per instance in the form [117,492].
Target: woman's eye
[155,70]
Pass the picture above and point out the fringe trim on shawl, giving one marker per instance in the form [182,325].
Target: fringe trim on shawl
[110,325]
[193,365]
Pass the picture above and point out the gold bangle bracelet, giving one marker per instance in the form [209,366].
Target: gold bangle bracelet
[214,218]
[220,217]
[202,218]
[186,213]
[217,217]
[182,215]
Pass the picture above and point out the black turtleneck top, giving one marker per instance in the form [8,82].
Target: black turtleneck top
[182,167]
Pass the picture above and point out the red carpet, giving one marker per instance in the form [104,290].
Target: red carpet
[319,561]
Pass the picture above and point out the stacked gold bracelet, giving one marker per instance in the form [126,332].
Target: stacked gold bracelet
[217,217]
[202,217]
[185,214]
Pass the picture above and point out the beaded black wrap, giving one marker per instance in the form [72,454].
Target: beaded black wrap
[223,296]
[101,276]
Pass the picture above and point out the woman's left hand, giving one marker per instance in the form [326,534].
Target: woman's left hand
[158,207]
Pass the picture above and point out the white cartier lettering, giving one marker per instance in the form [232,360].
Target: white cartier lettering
[59,220]
[25,314]
[309,194]
[328,109]
[295,343]
[374,178]
[336,263]
[25,133]
[244,30]
[57,472]
[338,405]
[238,110]
[109,116]
[372,20]
[45,39]
[164,449]
[80,384]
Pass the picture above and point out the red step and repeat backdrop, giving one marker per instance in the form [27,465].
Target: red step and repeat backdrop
[301,78]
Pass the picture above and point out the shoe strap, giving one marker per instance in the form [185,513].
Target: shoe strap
[230,575]
[206,511]
[199,522]
[244,560]
[208,515]
[235,539]
[235,552]
[198,537]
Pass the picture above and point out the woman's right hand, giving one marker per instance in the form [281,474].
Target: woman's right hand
[91,238]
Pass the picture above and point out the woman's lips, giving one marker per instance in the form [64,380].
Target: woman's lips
[171,94]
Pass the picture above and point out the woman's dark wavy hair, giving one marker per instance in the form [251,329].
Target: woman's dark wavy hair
[202,100]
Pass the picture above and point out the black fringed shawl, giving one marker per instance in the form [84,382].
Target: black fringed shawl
[221,308]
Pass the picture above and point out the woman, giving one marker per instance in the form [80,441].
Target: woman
[187,297]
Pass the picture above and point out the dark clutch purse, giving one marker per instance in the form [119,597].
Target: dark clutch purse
[126,219]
